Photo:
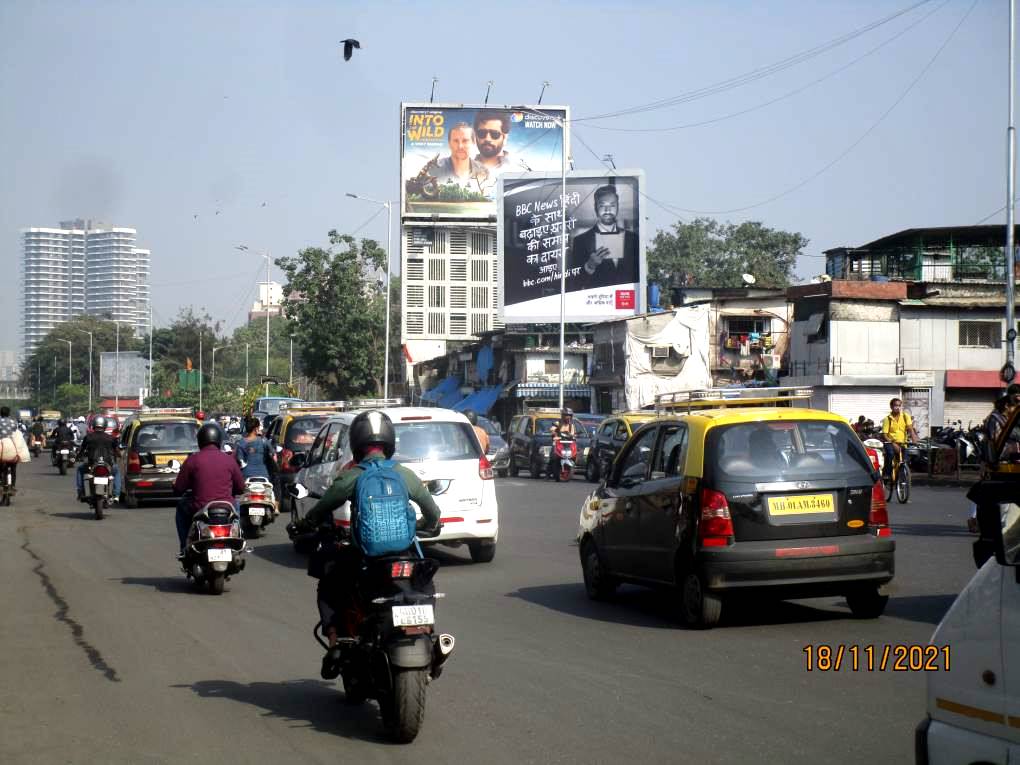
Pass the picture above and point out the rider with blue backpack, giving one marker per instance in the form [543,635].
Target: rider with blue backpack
[382,519]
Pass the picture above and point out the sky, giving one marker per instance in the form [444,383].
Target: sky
[210,125]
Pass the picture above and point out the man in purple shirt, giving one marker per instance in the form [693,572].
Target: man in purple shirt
[210,474]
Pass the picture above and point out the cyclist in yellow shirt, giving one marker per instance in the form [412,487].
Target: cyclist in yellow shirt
[896,426]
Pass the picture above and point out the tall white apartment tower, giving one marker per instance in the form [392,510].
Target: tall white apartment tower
[82,267]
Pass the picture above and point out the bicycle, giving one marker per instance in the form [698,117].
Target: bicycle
[898,480]
[6,488]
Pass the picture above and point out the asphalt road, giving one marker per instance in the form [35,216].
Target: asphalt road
[108,656]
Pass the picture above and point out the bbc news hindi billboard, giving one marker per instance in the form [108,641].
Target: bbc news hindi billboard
[453,155]
[605,248]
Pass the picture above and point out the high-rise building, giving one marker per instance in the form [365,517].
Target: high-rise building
[82,267]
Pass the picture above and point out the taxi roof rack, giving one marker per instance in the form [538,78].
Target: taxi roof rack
[376,403]
[167,410]
[339,406]
[716,398]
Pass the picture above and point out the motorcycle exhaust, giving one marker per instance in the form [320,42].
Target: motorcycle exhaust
[441,652]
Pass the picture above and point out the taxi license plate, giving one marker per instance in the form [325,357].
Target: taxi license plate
[413,616]
[802,504]
[218,554]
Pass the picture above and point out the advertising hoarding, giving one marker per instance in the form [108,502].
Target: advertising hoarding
[124,377]
[605,246]
[452,155]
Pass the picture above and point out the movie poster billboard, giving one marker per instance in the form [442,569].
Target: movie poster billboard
[605,249]
[452,155]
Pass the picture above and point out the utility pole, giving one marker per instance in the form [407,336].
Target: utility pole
[291,382]
[150,349]
[85,332]
[199,369]
[1010,209]
[247,346]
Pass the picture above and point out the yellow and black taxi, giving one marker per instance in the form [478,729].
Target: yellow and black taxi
[293,432]
[740,492]
[149,441]
[608,438]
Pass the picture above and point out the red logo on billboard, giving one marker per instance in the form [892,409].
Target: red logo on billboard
[625,300]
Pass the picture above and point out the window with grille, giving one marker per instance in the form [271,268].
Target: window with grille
[439,239]
[415,296]
[458,242]
[437,323]
[416,269]
[479,297]
[437,297]
[458,324]
[980,334]
[458,297]
[745,325]
[437,270]
[415,322]
[458,270]
[479,323]
[479,270]
[480,243]
[497,321]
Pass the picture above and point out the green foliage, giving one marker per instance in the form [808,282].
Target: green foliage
[707,253]
[337,304]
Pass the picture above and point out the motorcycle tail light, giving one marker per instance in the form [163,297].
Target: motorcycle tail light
[256,496]
[219,532]
[401,569]
[101,470]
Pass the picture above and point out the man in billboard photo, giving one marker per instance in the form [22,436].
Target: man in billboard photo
[606,253]
[492,128]
[459,167]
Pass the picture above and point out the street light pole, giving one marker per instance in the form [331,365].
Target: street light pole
[389,259]
[200,369]
[85,332]
[247,346]
[266,255]
[1010,205]
[217,348]
[68,359]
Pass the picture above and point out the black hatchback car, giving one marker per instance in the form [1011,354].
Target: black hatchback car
[774,502]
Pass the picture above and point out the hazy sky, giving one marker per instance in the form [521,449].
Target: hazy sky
[146,114]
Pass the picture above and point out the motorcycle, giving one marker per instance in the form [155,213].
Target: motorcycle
[565,453]
[7,489]
[215,548]
[257,506]
[63,457]
[36,444]
[395,652]
[98,480]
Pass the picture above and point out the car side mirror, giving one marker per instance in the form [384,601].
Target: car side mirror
[298,460]
[298,491]
[998,517]
[629,482]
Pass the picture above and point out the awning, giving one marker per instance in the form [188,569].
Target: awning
[444,388]
[551,390]
[481,401]
[448,400]
[972,378]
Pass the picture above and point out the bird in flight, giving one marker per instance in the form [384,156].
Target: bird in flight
[349,45]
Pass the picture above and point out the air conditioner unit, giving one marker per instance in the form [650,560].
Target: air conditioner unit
[660,351]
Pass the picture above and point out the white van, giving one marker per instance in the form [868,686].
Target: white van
[441,447]
[974,707]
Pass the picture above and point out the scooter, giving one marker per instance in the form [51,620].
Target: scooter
[394,652]
[98,480]
[257,506]
[36,444]
[215,548]
[565,451]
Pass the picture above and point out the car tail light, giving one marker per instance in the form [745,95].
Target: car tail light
[873,456]
[101,470]
[285,457]
[401,569]
[878,517]
[219,531]
[716,526]
[134,463]
[485,469]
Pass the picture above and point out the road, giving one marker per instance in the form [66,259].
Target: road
[108,656]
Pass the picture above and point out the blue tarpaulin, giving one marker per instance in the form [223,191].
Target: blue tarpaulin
[481,401]
[445,387]
[448,400]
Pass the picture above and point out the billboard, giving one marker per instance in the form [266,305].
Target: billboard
[452,155]
[123,376]
[605,247]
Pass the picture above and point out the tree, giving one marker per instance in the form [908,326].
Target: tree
[335,299]
[707,253]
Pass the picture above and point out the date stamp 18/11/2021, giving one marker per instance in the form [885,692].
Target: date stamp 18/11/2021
[901,657]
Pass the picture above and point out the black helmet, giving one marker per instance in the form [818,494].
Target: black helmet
[98,423]
[471,416]
[372,427]
[61,422]
[210,433]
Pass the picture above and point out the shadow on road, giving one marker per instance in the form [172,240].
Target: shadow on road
[931,530]
[171,584]
[928,609]
[308,703]
[282,554]
[86,516]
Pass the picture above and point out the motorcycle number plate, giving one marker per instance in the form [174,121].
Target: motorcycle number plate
[218,554]
[100,480]
[413,616]
[256,512]
[65,451]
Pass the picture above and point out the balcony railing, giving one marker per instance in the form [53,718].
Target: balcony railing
[953,264]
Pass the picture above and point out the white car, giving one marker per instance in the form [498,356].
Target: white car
[441,447]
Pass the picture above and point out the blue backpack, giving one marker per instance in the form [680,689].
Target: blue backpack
[384,522]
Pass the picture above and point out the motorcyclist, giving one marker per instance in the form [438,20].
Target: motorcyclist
[372,437]
[97,443]
[39,431]
[210,475]
[62,436]
[566,427]
[483,437]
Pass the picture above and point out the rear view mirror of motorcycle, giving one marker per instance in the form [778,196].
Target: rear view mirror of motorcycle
[298,491]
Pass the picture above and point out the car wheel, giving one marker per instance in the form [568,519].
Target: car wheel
[597,581]
[699,608]
[866,603]
[482,552]
[514,470]
[591,470]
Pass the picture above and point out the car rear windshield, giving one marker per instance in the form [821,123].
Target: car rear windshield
[786,450]
[301,432]
[421,441]
[167,436]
